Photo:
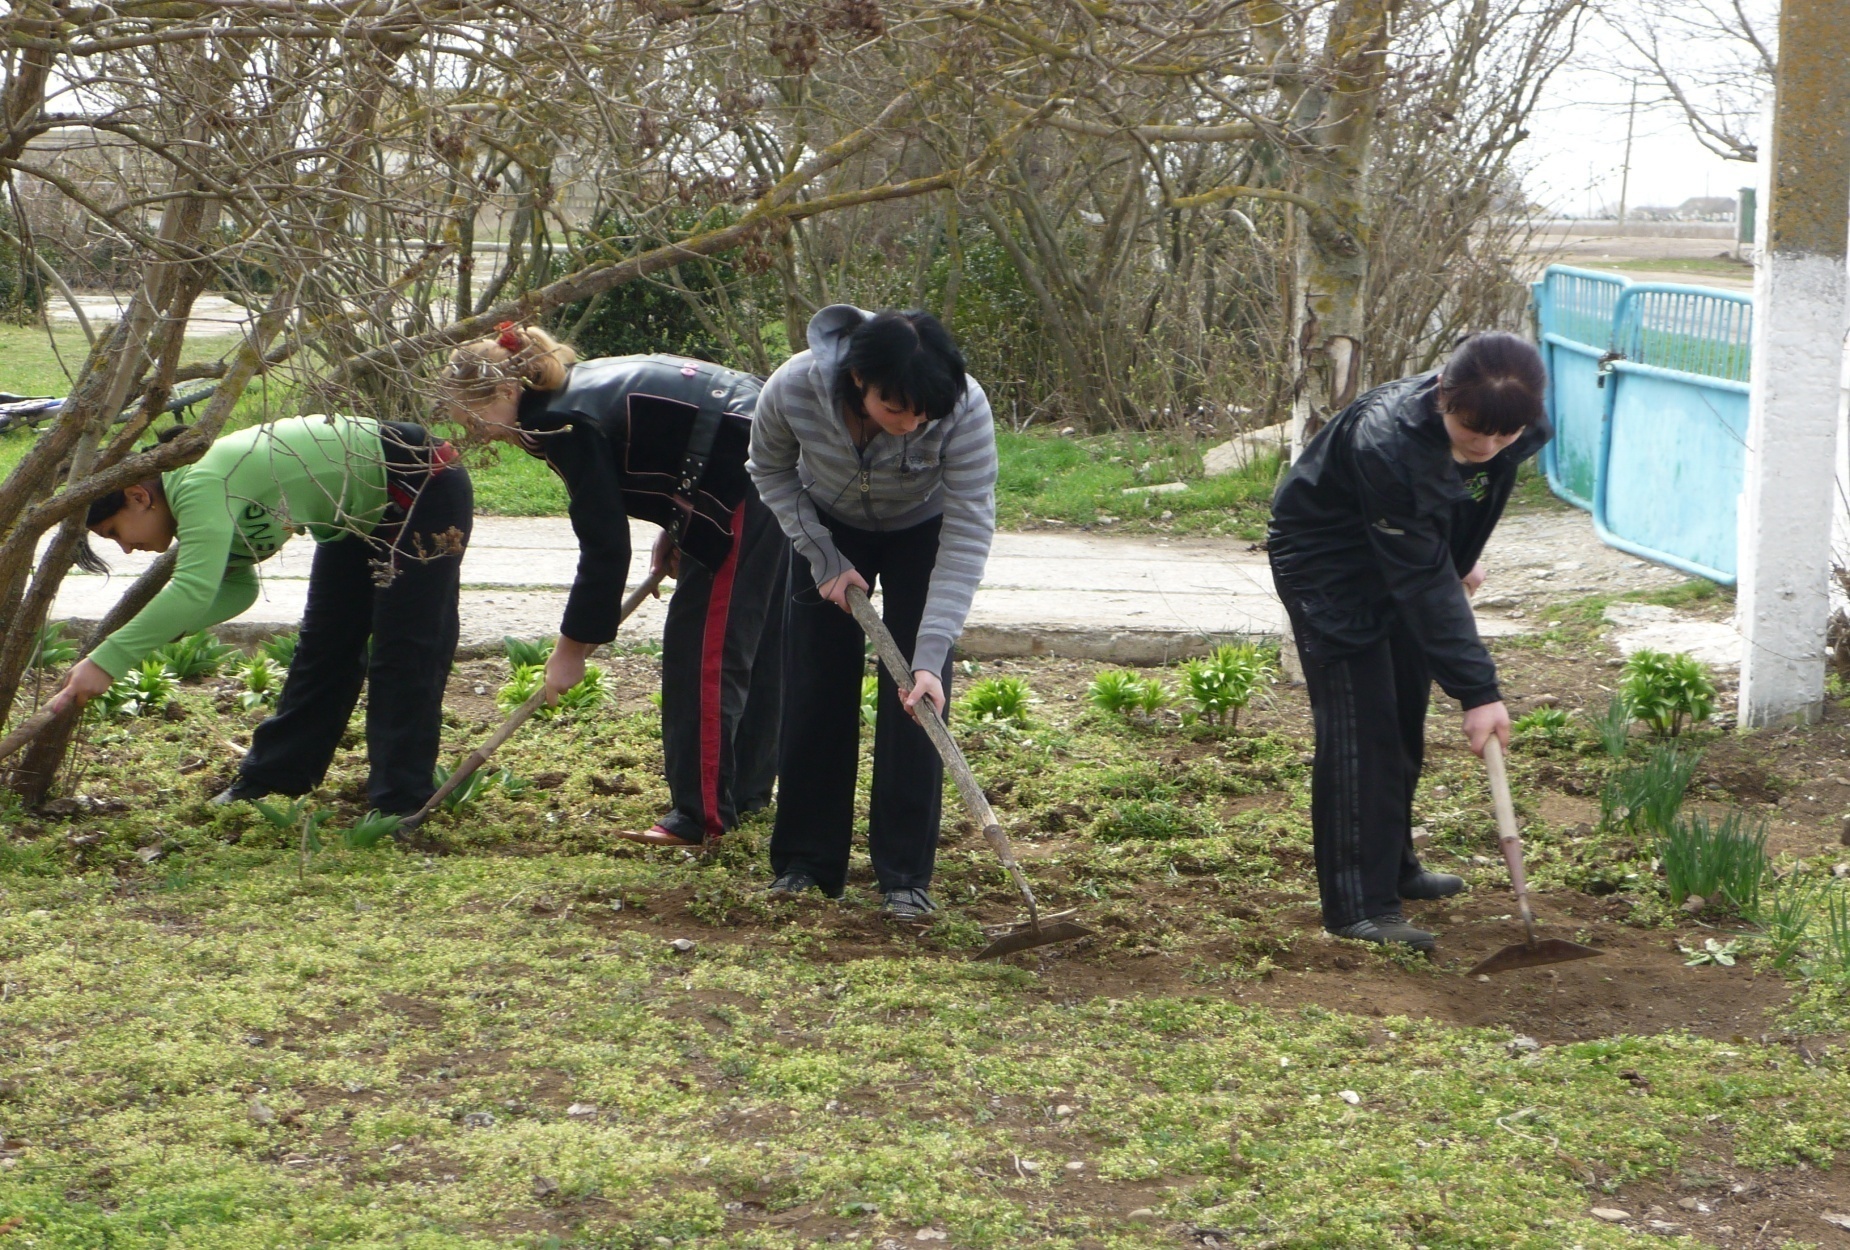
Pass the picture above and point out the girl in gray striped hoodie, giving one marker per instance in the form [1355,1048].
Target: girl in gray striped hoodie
[877,454]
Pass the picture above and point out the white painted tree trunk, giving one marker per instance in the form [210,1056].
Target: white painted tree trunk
[1785,543]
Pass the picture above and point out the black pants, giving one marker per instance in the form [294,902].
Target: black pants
[1369,709]
[824,660]
[722,666]
[412,622]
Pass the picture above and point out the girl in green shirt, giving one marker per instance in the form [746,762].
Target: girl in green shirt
[390,512]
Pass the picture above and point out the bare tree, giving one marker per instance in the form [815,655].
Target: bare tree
[1712,59]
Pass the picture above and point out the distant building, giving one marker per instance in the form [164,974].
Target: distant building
[1707,208]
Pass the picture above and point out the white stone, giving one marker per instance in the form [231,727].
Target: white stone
[581,1110]
[1164,488]
[1351,1097]
[1612,1215]
[1238,452]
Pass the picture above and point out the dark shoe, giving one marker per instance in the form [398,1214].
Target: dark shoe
[908,904]
[793,883]
[239,791]
[1388,930]
[1426,886]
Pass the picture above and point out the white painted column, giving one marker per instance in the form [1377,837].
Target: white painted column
[1799,323]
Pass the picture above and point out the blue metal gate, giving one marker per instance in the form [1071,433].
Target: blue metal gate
[1648,388]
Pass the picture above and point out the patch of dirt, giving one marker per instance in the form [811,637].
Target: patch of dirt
[1743,1210]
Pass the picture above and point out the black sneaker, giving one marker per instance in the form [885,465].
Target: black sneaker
[793,883]
[1425,886]
[911,904]
[1388,930]
[239,791]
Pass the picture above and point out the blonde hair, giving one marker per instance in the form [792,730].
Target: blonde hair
[514,353]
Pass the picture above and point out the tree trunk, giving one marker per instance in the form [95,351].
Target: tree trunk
[1331,261]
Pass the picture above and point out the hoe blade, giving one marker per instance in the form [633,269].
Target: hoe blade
[1533,955]
[1027,937]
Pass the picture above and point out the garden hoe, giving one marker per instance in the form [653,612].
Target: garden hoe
[1039,930]
[1532,953]
[515,719]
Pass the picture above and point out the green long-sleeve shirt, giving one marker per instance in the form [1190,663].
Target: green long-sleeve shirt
[237,505]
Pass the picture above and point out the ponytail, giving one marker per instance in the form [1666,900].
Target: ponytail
[514,353]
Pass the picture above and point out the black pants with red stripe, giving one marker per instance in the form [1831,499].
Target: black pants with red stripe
[722,679]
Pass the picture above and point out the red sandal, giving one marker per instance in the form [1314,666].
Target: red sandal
[657,835]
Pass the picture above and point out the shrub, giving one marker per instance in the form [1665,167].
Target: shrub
[1648,796]
[1226,681]
[280,649]
[519,687]
[194,656]
[588,695]
[521,653]
[1724,860]
[1667,692]
[53,650]
[998,701]
[1833,945]
[367,832]
[1152,820]
[479,783]
[870,699]
[1614,728]
[262,682]
[1784,915]
[1549,723]
[136,693]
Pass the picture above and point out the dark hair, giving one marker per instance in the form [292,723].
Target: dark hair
[907,356]
[1494,382]
[102,509]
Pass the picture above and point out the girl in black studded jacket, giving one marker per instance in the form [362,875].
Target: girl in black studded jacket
[661,439]
[1375,542]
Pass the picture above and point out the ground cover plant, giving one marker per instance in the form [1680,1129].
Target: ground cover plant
[221,1028]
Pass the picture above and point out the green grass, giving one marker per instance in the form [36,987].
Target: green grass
[207,1050]
[1693,266]
[1080,481]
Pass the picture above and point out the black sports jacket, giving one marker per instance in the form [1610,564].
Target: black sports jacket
[1377,518]
[617,432]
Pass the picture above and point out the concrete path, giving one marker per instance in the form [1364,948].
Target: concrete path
[1084,596]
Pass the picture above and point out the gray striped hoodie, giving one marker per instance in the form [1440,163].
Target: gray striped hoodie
[804,462]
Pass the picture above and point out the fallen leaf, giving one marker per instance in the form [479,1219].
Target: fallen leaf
[544,1187]
[682,945]
[581,1110]
[148,854]
[261,1114]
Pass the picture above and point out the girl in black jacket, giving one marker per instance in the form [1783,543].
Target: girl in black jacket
[1375,542]
[661,439]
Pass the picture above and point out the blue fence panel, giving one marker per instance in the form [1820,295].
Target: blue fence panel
[1674,455]
[1573,314]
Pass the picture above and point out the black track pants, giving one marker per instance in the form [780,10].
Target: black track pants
[722,665]
[413,625]
[824,660]
[1369,708]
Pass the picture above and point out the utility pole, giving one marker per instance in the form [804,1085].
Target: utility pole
[1625,170]
[1798,352]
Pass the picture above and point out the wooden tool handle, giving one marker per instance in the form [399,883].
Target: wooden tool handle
[948,750]
[27,730]
[518,717]
[1509,838]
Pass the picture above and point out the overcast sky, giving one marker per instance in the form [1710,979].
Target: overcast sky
[1577,144]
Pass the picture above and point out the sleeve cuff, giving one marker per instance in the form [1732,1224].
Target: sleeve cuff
[931,652]
[1479,696]
[111,659]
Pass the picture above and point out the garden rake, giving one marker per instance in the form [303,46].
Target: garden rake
[1039,930]
[515,719]
[1532,953]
